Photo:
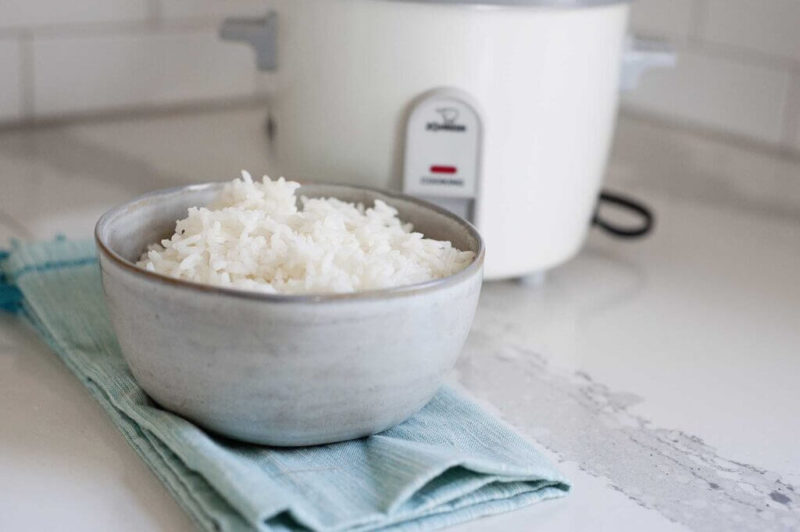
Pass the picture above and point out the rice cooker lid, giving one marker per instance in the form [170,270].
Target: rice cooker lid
[525,3]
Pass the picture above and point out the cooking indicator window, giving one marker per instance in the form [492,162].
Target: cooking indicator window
[443,169]
[442,150]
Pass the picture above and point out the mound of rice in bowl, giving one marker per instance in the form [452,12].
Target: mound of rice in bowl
[255,237]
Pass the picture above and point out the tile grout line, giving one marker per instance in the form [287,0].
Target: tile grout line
[212,105]
[697,21]
[696,41]
[744,55]
[690,127]
[154,11]
[791,115]
[27,76]
[113,29]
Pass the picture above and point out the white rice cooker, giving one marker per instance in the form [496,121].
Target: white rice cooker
[500,110]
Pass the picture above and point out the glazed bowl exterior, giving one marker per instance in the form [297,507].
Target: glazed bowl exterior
[284,370]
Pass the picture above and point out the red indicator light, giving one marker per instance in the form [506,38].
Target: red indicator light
[443,169]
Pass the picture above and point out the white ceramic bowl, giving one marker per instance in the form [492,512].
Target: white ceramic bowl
[285,370]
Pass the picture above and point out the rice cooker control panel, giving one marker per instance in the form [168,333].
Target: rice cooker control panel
[442,154]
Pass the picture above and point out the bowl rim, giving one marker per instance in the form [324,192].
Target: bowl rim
[405,290]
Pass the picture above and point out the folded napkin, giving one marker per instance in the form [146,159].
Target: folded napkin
[450,463]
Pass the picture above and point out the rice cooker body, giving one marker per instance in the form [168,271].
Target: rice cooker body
[354,79]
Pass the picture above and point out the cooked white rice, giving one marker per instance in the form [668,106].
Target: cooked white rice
[254,237]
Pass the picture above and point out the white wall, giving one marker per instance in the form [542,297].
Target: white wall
[738,69]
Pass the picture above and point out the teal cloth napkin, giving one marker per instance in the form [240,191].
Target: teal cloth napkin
[450,463]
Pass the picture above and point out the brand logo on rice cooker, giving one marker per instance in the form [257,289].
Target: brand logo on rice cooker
[448,123]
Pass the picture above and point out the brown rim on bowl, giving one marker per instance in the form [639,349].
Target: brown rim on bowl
[403,290]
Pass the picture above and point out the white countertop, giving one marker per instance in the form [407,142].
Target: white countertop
[661,375]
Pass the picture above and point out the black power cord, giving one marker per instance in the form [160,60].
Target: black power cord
[627,203]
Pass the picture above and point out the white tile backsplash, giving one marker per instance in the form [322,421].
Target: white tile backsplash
[716,92]
[663,18]
[768,26]
[736,63]
[695,166]
[736,59]
[91,73]
[34,13]
[10,90]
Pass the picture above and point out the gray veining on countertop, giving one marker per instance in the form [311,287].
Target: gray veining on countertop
[580,420]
